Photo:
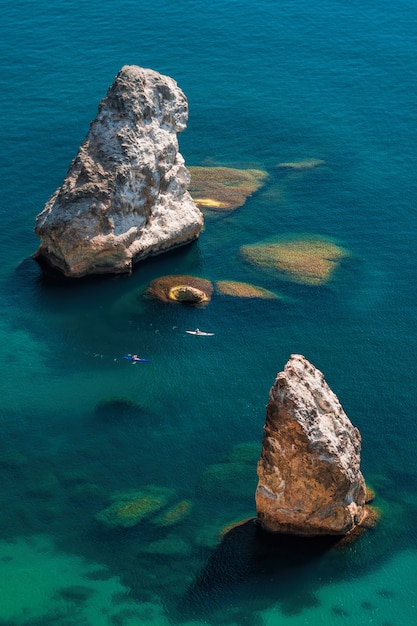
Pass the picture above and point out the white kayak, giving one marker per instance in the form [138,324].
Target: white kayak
[199,332]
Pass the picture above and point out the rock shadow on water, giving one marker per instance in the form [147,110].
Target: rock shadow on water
[119,408]
[248,555]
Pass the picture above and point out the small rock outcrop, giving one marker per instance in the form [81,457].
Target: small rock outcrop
[125,194]
[178,288]
[310,481]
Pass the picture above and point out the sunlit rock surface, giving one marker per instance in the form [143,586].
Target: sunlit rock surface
[179,288]
[310,481]
[125,194]
[224,188]
[308,259]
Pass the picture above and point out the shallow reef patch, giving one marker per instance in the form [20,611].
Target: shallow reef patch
[174,515]
[243,290]
[223,188]
[231,480]
[304,259]
[131,507]
[304,164]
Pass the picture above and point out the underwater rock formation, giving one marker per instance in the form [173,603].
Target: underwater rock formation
[187,289]
[308,260]
[230,480]
[243,290]
[306,164]
[125,194]
[131,507]
[223,188]
[310,481]
[174,515]
[172,545]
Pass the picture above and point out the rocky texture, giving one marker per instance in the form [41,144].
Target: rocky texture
[131,507]
[224,188]
[125,194]
[308,259]
[174,515]
[237,289]
[186,289]
[310,481]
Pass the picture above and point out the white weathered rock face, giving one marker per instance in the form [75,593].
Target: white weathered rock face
[310,481]
[125,194]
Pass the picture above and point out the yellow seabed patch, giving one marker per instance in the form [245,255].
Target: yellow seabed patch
[209,203]
[310,260]
[223,188]
[243,290]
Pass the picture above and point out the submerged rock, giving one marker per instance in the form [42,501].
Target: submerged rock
[174,515]
[187,289]
[224,188]
[306,164]
[309,260]
[247,452]
[172,545]
[131,507]
[229,480]
[237,289]
[310,481]
[125,194]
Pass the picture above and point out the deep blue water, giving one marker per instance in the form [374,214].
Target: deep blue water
[267,82]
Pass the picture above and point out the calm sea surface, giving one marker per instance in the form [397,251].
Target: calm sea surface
[267,82]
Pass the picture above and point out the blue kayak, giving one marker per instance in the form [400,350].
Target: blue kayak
[130,357]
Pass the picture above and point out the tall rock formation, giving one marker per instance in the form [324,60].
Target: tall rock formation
[125,194]
[310,481]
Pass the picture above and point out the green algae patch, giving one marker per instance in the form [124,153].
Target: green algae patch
[247,452]
[181,289]
[223,188]
[308,259]
[236,524]
[231,480]
[210,534]
[237,289]
[174,515]
[172,545]
[131,507]
[306,164]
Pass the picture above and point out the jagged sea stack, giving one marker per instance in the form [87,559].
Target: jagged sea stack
[125,194]
[310,481]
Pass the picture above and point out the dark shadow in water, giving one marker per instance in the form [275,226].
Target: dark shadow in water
[246,555]
[36,279]
[50,275]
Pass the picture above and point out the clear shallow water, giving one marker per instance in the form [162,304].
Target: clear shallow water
[267,82]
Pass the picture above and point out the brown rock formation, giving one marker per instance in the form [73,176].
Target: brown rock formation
[178,288]
[125,194]
[310,481]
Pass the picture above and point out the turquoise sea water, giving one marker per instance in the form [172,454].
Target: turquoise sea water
[267,82]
